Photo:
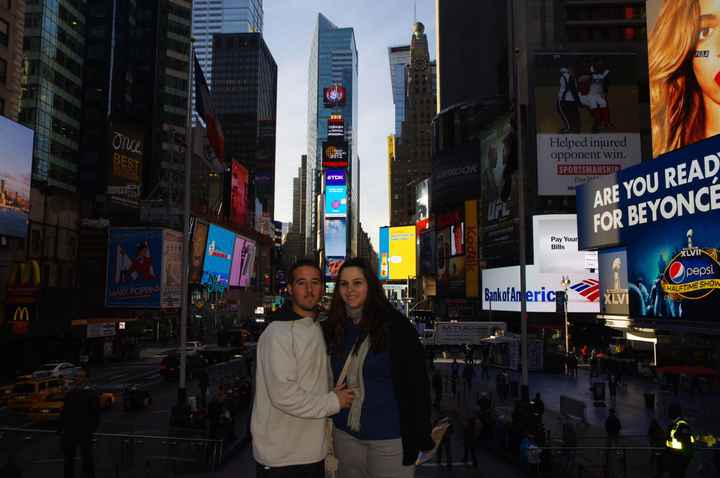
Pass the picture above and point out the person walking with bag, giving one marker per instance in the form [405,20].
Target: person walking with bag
[388,423]
[293,398]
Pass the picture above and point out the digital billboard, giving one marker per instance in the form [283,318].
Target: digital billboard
[126,146]
[665,213]
[239,194]
[172,272]
[199,238]
[614,284]
[422,200]
[248,263]
[442,248]
[335,237]
[555,244]
[237,260]
[335,177]
[332,267]
[15,169]
[402,252]
[457,239]
[335,154]
[134,268]
[336,201]
[472,266]
[384,254]
[335,126]
[334,96]
[218,257]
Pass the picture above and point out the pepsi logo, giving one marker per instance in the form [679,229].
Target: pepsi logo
[676,272]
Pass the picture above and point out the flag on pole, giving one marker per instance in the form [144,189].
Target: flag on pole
[204,108]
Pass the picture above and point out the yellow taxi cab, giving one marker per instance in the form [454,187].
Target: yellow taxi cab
[28,391]
[47,409]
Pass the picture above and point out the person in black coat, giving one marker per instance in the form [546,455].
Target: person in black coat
[392,400]
[78,422]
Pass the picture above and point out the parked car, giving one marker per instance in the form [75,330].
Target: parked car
[28,391]
[135,398]
[59,369]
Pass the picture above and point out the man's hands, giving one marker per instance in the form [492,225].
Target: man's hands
[344,395]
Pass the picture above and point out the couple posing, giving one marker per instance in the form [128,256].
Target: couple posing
[381,413]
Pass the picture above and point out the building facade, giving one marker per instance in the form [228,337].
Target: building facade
[333,62]
[12,26]
[245,100]
[221,16]
[399,57]
[412,159]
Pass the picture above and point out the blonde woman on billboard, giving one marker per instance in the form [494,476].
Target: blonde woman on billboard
[684,70]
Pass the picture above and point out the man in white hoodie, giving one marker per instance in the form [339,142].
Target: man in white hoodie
[292,397]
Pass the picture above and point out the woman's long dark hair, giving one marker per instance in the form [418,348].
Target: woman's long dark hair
[375,311]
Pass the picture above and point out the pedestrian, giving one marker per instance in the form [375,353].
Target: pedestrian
[292,396]
[574,365]
[470,434]
[453,385]
[679,444]
[455,369]
[469,375]
[437,384]
[612,387]
[203,382]
[79,420]
[389,421]
[485,367]
[538,406]
[612,428]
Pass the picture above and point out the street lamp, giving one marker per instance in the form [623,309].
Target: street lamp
[565,283]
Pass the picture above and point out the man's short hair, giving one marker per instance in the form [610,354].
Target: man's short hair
[303,263]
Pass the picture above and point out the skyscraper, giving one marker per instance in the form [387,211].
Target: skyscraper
[248,113]
[12,24]
[333,66]
[399,60]
[221,16]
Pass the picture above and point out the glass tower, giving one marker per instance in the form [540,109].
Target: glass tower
[333,60]
[399,60]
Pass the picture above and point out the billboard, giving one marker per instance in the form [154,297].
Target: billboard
[336,201]
[172,273]
[427,252]
[682,73]
[335,237]
[332,267]
[501,290]
[422,200]
[442,246]
[335,126]
[384,254]
[242,261]
[498,164]
[555,244]
[614,285]
[334,96]
[218,257]
[335,154]
[472,267]
[587,115]
[239,195]
[457,239]
[197,253]
[335,177]
[126,145]
[402,252]
[666,214]
[15,168]
[135,270]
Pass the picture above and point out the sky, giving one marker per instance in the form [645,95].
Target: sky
[288,28]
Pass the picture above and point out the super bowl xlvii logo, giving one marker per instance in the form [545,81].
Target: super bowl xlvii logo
[693,274]
[617,295]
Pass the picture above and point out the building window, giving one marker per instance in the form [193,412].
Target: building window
[3,71]
[4,32]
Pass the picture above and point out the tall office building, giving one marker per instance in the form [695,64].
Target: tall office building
[12,25]
[52,88]
[333,68]
[412,156]
[221,16]
[299,201]
[399,57]
[248,113]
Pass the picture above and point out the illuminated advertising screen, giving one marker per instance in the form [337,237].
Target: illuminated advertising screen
[334,96]
[15,167]
[239,195]
[335,155]
[126,145]
[335,177]
[555,244]
[248,263]
[588,117]
[199,238]
[384,254]
[335,237]
[336,201]
[402,252]
[457,239]
[218,257]
[237,261]
[336,126]
[422,200]
[332,267]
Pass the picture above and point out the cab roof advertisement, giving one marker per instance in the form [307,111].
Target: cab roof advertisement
[218,257]
[666,213]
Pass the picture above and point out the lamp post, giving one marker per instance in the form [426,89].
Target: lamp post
[565,283]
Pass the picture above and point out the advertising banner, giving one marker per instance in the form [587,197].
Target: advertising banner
[402,252]
[335,154]
[422,200]
[332,267]
[614,285]
[335,177]
[247,257]
[501,290]
[239,256]
[456,277]
[427,252]
[335,237]
[334,96]
[239,194]
[134,268]
[15,168]
[126,145]
[336,126]
[443,260]
[336,201]
[499,185]
[218,257]
[199,238]
[555,244]
[384,254]
[457,236]
[587,116]
[172,269]
[455,176]
[472,270]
